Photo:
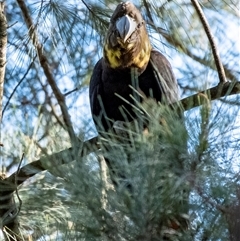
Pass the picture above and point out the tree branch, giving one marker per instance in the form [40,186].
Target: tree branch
[45,66]
[46,163]
[221,90]
[220,69]
[3,51]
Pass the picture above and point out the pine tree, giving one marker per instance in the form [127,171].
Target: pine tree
[55,184]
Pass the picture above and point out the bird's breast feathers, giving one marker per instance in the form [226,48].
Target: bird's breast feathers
[119,57]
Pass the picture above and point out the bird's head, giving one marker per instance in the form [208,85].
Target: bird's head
[127,43]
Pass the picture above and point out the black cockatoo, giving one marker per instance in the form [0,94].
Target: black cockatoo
[128,52]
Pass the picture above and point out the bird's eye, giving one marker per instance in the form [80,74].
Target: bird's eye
[140,24]
[116,33]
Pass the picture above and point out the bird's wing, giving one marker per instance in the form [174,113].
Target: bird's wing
[96,92]
[164,74]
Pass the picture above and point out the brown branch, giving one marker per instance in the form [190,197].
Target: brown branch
[46,163]
[9,223]
[227,89]
[9,215]
[8,209]
[45,66]
[3,51]
[220,69]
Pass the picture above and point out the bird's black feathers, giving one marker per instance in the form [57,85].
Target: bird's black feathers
[108,84]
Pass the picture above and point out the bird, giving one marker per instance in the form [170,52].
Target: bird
[130,69]
[129,65]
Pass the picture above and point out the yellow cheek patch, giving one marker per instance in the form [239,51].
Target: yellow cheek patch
[116,60]
[142,59]
[113,56]
[130,46]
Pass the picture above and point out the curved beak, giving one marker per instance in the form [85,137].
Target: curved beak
[126,26]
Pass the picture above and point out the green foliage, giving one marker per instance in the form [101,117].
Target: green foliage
[153,164]
[182,166]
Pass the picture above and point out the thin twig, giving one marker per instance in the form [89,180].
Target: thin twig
[18,84]
[20,163]
[71,91]
[220,69]
[211,201]
[88,8]
[18,170]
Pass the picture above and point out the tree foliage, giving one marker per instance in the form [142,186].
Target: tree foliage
[52,48]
